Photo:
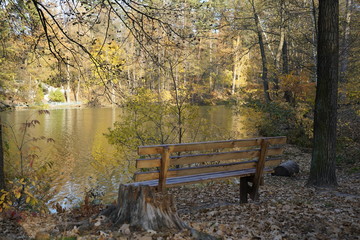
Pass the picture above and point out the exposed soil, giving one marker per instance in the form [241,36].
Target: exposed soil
[286,210]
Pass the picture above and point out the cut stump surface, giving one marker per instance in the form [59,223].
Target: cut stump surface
[141,208]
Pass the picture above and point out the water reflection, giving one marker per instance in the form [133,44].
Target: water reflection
[83,159]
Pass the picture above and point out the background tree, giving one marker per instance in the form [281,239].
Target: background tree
[322,172]
[264,61]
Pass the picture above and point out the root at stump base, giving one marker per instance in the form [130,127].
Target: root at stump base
[141,208]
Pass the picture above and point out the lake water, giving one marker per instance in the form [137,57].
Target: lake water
[82,158]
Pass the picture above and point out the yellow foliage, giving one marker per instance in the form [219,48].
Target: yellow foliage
[2,197]
[17,194]
[299,85]
[111,58]
[5,201]
[22,181]
[166,95]
[251,91]
[351,89]
[20,192]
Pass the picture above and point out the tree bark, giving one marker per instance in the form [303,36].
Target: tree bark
[282,50]
[236,63]
[68,89]
[288,95]
[282,36]
[141,208]
[322,171]
[263,55]
[285,58]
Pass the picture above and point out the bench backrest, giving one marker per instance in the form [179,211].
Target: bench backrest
[176,160]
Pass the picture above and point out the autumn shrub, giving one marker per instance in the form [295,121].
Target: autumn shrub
[348,135]
[39,97]
[348,140]
[350,93]
[294,118]
[201,95]
[290,110]
[148,121]
[56,96]
[296,89]
[280,118]
[30,192]
[28,185]
[25,193]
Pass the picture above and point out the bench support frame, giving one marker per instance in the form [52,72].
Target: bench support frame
[165,161]
[250,181]
[256,180]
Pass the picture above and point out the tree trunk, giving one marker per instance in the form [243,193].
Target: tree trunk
[77,90]
[236,63]
[285,58]
[288,95]
[2,170]
[141,208]
[280,50]
[68,89]
[322,172]
[263,55]
[282,36]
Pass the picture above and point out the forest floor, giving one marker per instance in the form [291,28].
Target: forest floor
[287,210]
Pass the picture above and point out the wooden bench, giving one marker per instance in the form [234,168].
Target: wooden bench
[171,165]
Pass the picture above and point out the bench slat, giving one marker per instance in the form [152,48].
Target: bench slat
[174,181]
[210,157]
[203,146]
[205,169]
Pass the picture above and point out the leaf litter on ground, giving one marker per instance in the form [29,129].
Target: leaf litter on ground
[287,209]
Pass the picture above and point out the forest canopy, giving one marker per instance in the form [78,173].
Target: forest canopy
[258,54]
[215,51]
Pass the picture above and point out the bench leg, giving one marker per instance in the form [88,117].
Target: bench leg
[254,191]
[244,189]
[262,181]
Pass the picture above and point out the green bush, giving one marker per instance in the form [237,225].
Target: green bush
[279,118]
[56,96]
[39,95]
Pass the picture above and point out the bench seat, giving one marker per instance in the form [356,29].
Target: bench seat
[176,181]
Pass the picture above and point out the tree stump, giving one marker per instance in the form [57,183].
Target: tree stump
[287,169]
[141,208]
